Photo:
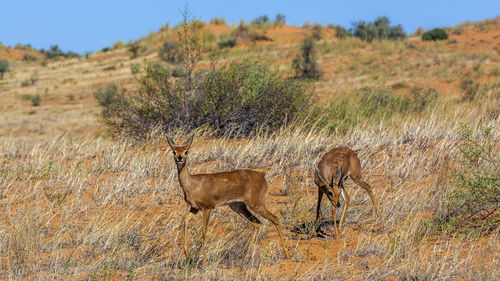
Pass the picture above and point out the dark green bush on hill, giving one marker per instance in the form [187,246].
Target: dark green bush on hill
[379,29]
[55,52]
[435,35]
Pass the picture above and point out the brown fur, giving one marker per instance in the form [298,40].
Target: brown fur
[240,189]
[332,170]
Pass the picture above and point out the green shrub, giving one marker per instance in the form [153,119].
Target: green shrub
[218,21]
[178,72]
[435,35]
[25,83]
[280,19]
[235,100]
[253,32]
[304,65]
[35,101]
[170,52]
[379,29]
[316,33]
[341,32]
[28,57]
[474,201]
[133,48]
[261,20]
[4,67]
[229,43]
[55,52]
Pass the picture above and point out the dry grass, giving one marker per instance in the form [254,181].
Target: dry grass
[76,208]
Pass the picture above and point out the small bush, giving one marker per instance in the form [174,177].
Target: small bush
[229,43]
[261,20]
[25,83]
[234,100]
[4,67]
[55,52]
[35,101]
[170,52]
[134,48]
[28,57]
[178,72]
[304,65]
[280,19]
[316,33]
[253,32]
[341,32]
[435,35]
[218,21]
[474,202]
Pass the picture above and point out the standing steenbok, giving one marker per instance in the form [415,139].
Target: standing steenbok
[339,163]
[240,189]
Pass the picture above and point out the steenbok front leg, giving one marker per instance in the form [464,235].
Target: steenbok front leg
[187,218]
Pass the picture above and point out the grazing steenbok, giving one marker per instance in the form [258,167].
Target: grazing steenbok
[240,189]
[338,164]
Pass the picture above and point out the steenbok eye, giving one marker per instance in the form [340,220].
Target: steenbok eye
[174,152]
[185,152]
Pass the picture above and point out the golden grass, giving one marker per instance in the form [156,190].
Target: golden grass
[78,208]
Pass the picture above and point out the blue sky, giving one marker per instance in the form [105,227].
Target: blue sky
[91,25]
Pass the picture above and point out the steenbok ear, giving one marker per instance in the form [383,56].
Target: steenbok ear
[170,142]
[189,142]
[321,177]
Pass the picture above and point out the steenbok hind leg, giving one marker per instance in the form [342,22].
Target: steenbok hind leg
[241,209]
[262,210]
[359,180]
